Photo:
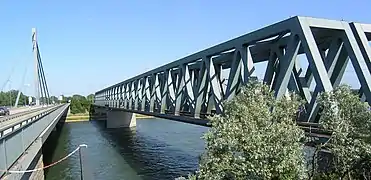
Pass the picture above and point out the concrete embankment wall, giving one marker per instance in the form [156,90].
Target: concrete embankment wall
[99,117]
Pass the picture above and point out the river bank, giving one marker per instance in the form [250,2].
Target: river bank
[86,117]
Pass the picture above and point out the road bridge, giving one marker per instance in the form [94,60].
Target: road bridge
[21,139]
[191,88]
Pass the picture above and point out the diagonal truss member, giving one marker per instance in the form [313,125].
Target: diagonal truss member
[195,86]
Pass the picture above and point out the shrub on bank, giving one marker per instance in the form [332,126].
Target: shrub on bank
[250,141]
[349,120]
[80,104]
[257,138]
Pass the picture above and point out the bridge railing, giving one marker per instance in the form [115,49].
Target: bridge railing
[17,136]
[19,114]
[197,85]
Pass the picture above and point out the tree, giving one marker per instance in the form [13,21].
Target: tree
[90,97]
[80,104]
[349,120]
[255,138]
[9,98]
[54,99]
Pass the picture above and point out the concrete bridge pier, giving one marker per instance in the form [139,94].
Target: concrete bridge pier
[118,118]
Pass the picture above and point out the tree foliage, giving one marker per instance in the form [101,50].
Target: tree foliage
[54,99]
[90,97]
[80,104]
[255,138]
[9,98]
[349,120]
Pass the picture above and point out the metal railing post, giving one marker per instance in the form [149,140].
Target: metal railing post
[83,169]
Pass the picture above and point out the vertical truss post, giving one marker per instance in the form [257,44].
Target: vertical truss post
[138,94]
[188,88]
[155,86]
[179,91]
[146,94]
[270,69]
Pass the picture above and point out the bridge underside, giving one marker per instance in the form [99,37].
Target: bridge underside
[185,119]
[302,54]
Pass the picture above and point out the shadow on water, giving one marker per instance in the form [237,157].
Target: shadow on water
[154,149]
[149,154]
[50,145]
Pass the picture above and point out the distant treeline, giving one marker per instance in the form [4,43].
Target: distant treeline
[79,103]
[9,98]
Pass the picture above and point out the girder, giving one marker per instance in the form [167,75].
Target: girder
[196,86]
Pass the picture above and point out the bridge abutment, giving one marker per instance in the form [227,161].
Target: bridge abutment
[117,119]
[38,175]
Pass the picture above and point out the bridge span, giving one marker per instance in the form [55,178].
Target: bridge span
[193,87]
[22,136]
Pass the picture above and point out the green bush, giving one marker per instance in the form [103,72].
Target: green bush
[80,104]
[257,138]
[349,120]
[250,141]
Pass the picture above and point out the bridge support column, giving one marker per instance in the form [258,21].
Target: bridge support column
[117,119]
[69,110]
[38,175]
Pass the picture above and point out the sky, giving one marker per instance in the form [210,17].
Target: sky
[87,45]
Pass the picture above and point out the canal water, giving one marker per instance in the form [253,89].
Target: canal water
[154,149]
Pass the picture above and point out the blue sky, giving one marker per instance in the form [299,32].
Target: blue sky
[88,45]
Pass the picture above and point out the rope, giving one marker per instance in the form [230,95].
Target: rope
[50,165]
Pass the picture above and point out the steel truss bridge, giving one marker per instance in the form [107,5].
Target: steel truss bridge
[190,88]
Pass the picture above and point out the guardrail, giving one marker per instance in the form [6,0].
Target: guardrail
[12,116]
[5,128]
[16,137]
